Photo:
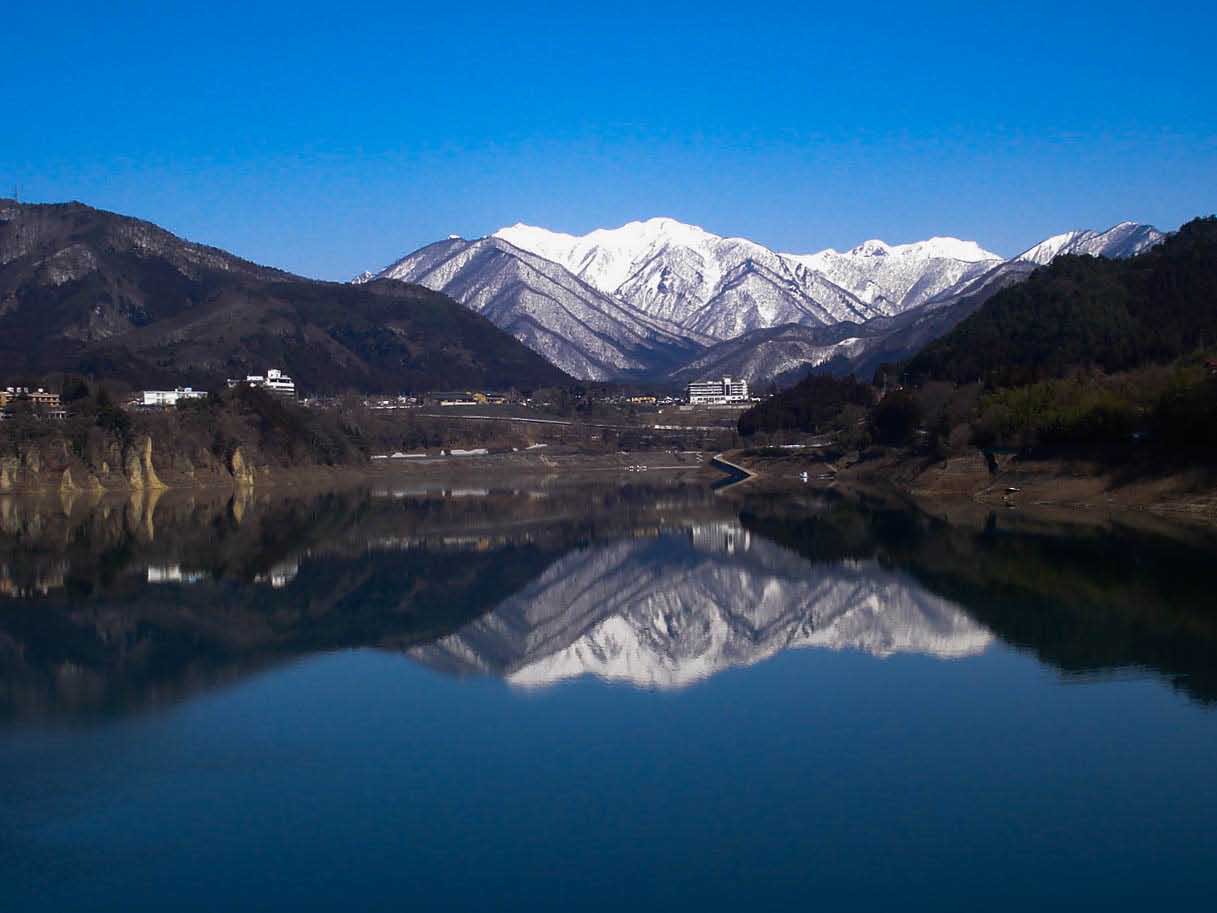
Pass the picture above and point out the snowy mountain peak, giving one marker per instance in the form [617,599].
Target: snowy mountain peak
[944,248]
[1123,240]
[631,236]
[662,266]
[936,248]
[632,298]
[585,332]
[872,248]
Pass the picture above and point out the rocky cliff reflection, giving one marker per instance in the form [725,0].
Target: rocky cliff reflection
[117,605]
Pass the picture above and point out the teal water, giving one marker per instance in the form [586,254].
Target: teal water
[658,698]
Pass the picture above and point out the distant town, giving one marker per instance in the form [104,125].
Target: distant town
[726,392]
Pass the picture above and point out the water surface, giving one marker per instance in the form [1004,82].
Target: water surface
[555,698]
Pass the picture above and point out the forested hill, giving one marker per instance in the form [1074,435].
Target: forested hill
[1087,312]
[88,291]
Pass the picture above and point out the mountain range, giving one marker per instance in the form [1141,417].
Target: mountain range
[99,293]
[661,299]
[83,290]
[588,333]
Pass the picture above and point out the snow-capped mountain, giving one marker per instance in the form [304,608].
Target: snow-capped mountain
[1124,240]
[786,353]
[728,286]
[581,330]
[649,297]
[897,278]
[774,352]
[668,611]
[701,282]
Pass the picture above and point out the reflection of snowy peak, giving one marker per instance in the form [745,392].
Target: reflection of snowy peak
[672,610]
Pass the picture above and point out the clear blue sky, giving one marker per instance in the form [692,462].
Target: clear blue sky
[330,138]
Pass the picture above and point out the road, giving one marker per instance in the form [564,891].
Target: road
[570,422]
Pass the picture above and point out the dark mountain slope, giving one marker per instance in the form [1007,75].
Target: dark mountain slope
[1088,311]
[92,291]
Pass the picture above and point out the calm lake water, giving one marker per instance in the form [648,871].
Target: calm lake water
[597,698]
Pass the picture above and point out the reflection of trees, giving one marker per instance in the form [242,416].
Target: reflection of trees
[378,572]
[1083,599]
[84,626]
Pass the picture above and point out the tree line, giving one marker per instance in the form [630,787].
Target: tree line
[1086,351]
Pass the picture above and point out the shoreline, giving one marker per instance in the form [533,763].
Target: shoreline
[1060,484]
[466,468]
[736,474]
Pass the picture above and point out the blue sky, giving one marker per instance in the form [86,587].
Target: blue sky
[331,138]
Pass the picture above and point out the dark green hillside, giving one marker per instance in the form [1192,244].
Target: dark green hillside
[815,403]
[1085,352]
[1083,312]
[83,290]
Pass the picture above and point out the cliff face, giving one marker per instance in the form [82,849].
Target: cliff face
[145,464]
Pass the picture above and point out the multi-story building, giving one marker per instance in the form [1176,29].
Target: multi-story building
[274,381]
[718,392]
[171,397]
[40,398]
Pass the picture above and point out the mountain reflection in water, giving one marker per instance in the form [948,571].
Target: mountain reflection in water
[110,606]
[679,606]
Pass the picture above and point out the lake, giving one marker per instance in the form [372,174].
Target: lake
[596,697]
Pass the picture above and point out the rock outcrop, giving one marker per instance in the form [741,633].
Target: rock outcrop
[10,468]
[242,470]
[138,466]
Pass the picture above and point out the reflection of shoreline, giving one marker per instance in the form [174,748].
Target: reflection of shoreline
[169,537]
[41,583]
[657,585]
[147,614]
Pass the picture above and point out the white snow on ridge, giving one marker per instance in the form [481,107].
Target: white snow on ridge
[896,277]
[641,297]
[584,332]
[1124,240]
[676,271]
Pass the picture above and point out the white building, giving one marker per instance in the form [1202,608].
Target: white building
[171,397]
[275,381]
[718,392]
